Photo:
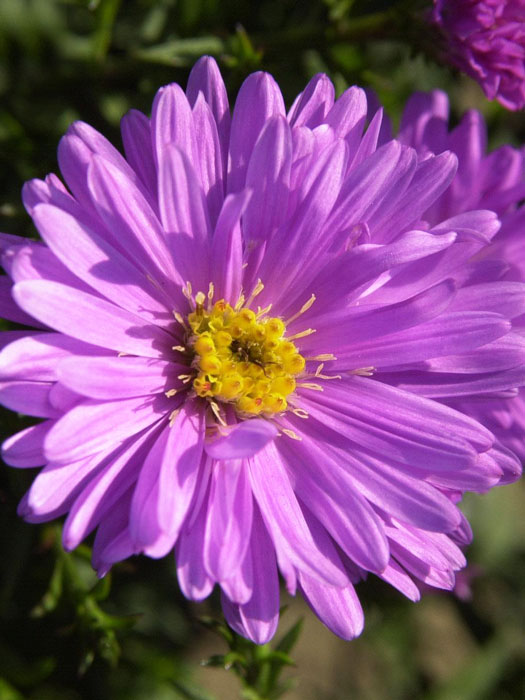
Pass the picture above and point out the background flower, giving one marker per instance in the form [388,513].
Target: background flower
[486,39]
[493,180]
[387,312]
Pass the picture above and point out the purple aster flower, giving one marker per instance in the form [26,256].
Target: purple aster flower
[496,181]
[223,319]
[486,39]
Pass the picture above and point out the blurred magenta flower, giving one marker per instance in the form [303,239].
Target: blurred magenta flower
[495,181]
[486,39]
[246,339]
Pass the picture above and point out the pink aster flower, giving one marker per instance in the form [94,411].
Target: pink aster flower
[222,318]
[496,181]
[486,39]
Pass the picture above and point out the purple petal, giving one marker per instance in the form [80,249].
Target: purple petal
[91,319]
[118,377]
[338,608]
[26,448]
[9,309]
[98,264]
[172,123]
[366,409]
[268,175]
[347,116]
[136,138]
[112,480]
[35,357]
[92,426]
[339,507]
[242,440]
[315,101]
[56,487]
[229,520]
[398,578]
[436,338]
[29,398]
[258,618]
[206,78]
[184,215]
[166,484]
[283,517]
[193,579]
[259,99]
[226,250]
[212,168]
[134,224]
[112,542]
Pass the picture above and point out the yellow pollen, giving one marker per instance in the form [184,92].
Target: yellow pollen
[241,357]
[291,434]
[256,291]
[302,334]
[363,371]
[300,413]
[311,385]
[326,357]
[303,309]
[172,416]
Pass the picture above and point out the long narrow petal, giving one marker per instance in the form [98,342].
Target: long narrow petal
[191,572]
[91,319]
[36,357]
[242,440]
[205,78]
[112,480]
[167,483]
[112,378]
[229,519]
[136,138]
[227,248]
[93,426]
[26,448]
[259,98]
[99,265]
[284,519]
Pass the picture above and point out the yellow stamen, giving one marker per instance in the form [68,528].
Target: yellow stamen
[217,412]
[326,357]
[187,291]
[291,434]
[264,311]
[300,413]
[302,334]
[363,371]
[311,385]
[240,302]
[240,359]
[211,292]
[325,376]
[256,291]
[172,417]
[302,310]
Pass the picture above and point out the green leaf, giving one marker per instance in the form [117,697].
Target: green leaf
[106,15]
[181,52]
[7,692]
[288,641]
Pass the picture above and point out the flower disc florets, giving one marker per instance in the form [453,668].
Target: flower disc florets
[242,357]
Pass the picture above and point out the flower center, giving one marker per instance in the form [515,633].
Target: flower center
[242,357]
